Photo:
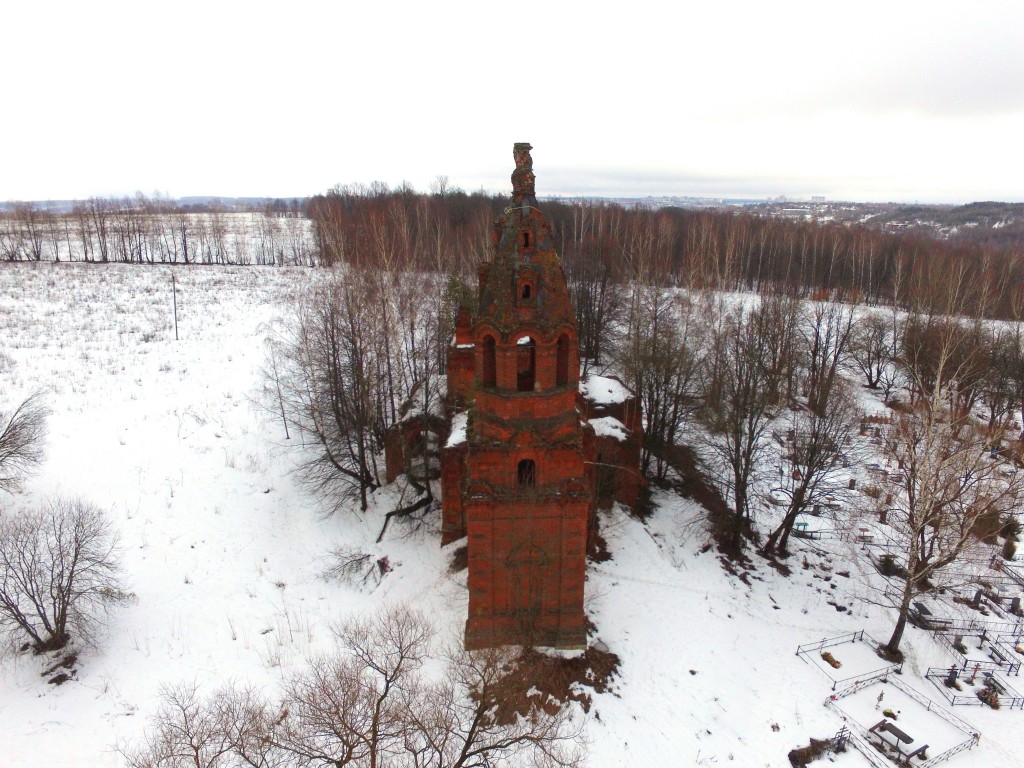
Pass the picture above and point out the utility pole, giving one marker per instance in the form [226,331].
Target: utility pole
[174,299]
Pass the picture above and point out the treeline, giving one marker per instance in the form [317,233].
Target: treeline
[449,231]
[156,230]
[373,226]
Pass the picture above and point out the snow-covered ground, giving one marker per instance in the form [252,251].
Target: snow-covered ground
[223,549]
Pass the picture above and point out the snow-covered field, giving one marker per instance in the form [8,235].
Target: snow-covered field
[223,550]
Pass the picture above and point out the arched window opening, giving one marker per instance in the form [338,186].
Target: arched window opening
[489,374]
[526,364]
[527,472]
[526,239]
[562,361]
[527,291]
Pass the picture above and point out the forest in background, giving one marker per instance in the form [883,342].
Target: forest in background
[447,231]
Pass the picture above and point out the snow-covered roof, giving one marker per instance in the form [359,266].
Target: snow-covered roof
[458,434]
[609,426]
[436,393]
[600,390]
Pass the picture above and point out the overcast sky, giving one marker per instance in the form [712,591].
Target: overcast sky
[896,100]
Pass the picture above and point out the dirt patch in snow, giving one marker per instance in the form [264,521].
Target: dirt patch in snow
[799,758]
[694,485]
[460,559]
[540,680]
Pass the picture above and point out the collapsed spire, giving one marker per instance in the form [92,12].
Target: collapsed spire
[522,177]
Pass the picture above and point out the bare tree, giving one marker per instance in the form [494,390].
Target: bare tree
[776,325]
[59,572]
[13,241]
[56,225]
[183,235]
[234,727]
[1003,384]
[99,211]
[330,380]
[944,354]
[948,486]
[819,437]
[828,330]
[363,352]
[597,298]
[874,350]
[84,230]
[818,441]
[189,733]
[387,649]
[418,307]
[21,440]
[661,356]
[743,387]
[32,220]
[459,722]
[346,709]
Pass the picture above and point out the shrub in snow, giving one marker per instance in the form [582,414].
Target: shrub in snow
[59,573]
[355,567]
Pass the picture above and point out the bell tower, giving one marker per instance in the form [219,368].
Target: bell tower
[525,497]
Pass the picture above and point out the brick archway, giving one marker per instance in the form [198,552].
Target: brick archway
[526,364]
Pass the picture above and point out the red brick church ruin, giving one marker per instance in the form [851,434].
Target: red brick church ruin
[531,451]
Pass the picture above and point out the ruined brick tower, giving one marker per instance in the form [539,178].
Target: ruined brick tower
[517,483]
